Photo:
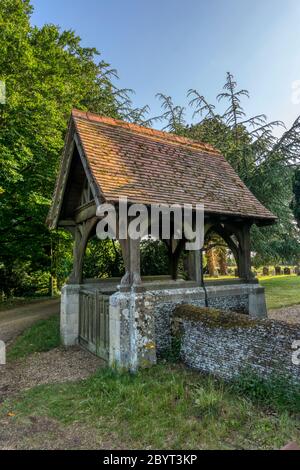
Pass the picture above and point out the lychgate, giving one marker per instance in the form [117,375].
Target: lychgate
[104,160]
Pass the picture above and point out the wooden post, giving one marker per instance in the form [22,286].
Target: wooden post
[194,266]
[245,252]
[135,262]
[173,266]
[131,257]
[81,236]
[125,281]
[175,248]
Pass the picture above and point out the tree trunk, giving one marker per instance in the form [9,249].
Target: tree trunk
[222,259]
[211,262]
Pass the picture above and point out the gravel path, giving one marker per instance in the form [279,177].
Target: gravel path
[287,314]
[43,433]
[57,365]
[40,432]
[15,320]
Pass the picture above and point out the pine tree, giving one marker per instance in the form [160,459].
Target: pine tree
[264,162]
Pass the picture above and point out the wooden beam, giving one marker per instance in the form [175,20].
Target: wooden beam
[98,196]
[62,180]
[81,237]
[85,212]
[66,223]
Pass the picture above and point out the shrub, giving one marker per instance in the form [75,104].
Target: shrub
[209,399]
[275,392]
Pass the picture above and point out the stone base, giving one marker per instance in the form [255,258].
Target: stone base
[226,350]
[132,330]
[69,314]
[139,321]
[242,298]
[257,303]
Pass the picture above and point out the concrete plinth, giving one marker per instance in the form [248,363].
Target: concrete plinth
[139,319]
[132,330]
[257,303]
[69,314]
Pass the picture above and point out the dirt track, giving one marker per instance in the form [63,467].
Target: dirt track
[15,320]
[287,314]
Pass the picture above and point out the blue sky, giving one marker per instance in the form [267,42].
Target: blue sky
[170,46]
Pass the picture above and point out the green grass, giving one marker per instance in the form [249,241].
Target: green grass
[42,336]
[281,291]
[164,407]
[276,393]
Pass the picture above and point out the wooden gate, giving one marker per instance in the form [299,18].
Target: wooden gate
[94,322]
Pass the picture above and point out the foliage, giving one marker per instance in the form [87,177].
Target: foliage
[275,392]
[103,259]
[172,354]
[209,399]
[42,336]
[265,163]
[61,256]
[47,72]
[296,199]
[154,258]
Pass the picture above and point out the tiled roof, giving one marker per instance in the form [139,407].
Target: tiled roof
[150,166]
[154,167]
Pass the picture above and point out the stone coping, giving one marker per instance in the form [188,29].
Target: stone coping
[158,283]
[166,289]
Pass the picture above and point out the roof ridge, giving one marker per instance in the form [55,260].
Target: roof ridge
[167,136]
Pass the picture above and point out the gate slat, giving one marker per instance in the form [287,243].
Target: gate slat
[94,322]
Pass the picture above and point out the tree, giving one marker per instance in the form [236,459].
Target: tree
[296,199]
[264,162]
[47,72]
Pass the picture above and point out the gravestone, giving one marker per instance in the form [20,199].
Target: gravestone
[266,271]
[277,270]
[287,271]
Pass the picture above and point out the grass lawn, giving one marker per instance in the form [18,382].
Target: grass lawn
[281,291]
[42,336]
[165,407]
